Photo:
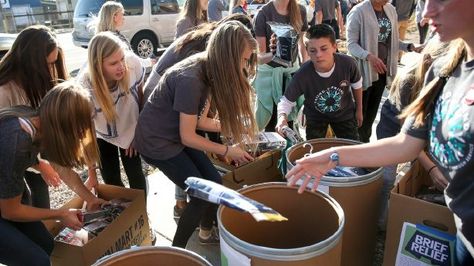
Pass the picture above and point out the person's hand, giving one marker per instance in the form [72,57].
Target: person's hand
[131,152]
[418,49]
[314,165]
[273,43]
[70,218]
[424,21]
[92,182]
[439,181]
[238,155]
[49,175]
[359,118]
[377,64]
[95,204]
[282,122]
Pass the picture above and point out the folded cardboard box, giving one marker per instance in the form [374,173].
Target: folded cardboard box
[264,168]
[404,207]
[130,228]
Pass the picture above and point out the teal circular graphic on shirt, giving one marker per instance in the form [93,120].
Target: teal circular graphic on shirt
[455,150]
[328,100]
[385,29]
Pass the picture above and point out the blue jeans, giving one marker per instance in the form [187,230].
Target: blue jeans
[25,243]
[463,257]
[190,162]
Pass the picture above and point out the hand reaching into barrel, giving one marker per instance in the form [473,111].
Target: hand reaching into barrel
[309,167]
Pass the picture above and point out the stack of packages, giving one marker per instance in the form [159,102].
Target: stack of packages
[94,223]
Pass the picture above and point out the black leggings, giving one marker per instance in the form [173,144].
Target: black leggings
[370,105]
[190,162]
[38,190]
[110,166]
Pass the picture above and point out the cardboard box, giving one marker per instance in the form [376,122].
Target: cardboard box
[263,169]
[130,228]
[404,207]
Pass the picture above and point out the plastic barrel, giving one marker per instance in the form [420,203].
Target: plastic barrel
[147,256]
[359,197]
[311,236]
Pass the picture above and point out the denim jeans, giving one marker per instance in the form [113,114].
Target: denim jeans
[110,166]
[463,257]
[25,243]
[389,176]
[190,162]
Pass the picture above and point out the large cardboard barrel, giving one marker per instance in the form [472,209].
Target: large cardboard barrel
[311,236]
[148,256]
[359,197]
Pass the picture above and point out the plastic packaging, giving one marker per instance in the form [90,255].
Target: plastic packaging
[287,44]
[218,194]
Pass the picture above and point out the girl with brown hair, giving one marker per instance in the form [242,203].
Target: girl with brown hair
[33,65]
[193,14]
[166,132]
[441,119]
[114,77]
[62,131]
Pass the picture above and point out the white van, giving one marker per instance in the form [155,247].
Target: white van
[148,24]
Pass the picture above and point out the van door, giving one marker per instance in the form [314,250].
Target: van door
[164,14]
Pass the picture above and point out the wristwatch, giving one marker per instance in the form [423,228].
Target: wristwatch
[334,157]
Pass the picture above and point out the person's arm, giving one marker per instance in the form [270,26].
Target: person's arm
[283,110]
[302,49]
[206,123]
[388,151]
[47,172]
[13,210]
[189,138]
[73,181]
[353,34]
[439,181]
[340,20]
[358,100]
[262,56]
[319,17]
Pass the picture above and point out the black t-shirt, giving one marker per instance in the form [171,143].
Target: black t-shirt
[326,98]
[385,31]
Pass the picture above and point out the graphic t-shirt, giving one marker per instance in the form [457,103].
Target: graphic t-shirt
[326,98]
[385,30]
[181,90]
[450,132]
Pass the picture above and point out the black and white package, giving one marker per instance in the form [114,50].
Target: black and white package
[287,44]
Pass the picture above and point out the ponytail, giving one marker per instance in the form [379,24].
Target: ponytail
[423,105]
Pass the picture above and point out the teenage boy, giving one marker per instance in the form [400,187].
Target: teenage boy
[330,83]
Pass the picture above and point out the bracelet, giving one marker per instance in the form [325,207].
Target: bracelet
[431,169]
[226,151]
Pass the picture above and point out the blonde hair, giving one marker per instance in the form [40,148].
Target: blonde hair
[424,104]
[294,12]
[230,90]
[103,45]
[66,134]
[414,75]
[192,9]
[106,16]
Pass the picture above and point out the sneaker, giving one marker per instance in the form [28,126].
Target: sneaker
[177,212]
[213,239]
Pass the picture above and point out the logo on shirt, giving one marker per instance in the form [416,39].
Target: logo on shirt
[328,100]
[385,29]
[450,136]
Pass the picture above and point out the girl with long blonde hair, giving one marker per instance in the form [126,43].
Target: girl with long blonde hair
[114,77]
[166,132]
[440,119]
[61,130]
[273,78]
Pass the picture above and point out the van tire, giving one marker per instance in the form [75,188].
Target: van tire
[144,44]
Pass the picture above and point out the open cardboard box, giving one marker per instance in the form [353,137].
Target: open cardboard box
[130,228]
[263,169]
[404,207]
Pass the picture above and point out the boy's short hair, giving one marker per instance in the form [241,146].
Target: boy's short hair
[320,31]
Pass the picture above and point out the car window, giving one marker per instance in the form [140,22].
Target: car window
[87,8]
[164,6]
[132,7]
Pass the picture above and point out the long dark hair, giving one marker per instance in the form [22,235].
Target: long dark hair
[26,63]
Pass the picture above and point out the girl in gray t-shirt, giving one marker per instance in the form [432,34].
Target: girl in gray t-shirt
[166,131]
